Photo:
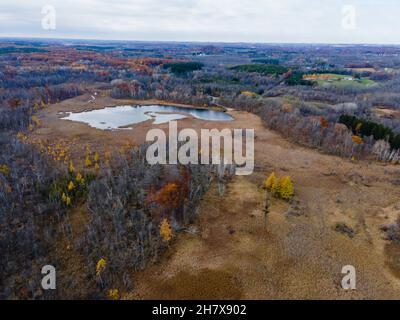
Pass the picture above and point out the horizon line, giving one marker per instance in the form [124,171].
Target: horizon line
[40,37]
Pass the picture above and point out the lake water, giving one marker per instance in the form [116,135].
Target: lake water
[119,117]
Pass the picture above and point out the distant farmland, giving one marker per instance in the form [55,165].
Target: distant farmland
[339,80]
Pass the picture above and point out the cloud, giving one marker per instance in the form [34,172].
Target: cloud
[207,20]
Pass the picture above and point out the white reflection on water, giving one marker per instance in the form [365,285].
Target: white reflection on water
[118,117]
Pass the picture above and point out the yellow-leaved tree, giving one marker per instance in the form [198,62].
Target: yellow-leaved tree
[166,230]
[35,120]
[71,167]
[281,188]
[79,178]
[271,180]
[113,294]
[88,162]
[71,186]
[276,188]
[66,199]
[107,156]
[100,266]
[286,189]
[4,169]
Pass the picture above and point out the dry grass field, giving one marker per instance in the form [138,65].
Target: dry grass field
[231,254]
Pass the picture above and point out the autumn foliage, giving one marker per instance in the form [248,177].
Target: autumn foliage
[100,266]
[281,188]
[165,230]
[113,294]
[357,139]
[4,169]
[323,122]
[271,181]
[170,198]
[286,190]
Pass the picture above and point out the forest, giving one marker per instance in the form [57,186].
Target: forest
[134,208]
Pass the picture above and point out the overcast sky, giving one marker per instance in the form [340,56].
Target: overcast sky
[266,21]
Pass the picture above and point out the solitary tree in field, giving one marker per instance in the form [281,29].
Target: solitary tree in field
[276,188]
[286,191]
[270,181]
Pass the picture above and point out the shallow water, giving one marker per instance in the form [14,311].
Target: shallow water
[119,117]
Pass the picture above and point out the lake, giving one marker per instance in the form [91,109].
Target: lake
[120,117]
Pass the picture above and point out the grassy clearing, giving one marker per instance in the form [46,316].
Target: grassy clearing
[339,80]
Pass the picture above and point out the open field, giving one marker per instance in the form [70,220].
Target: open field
[327,79]
[385,112]
[361,70]
[294,257]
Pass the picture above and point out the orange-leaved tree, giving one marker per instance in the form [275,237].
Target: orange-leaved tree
[357,139]
[169,196]
[324,123]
